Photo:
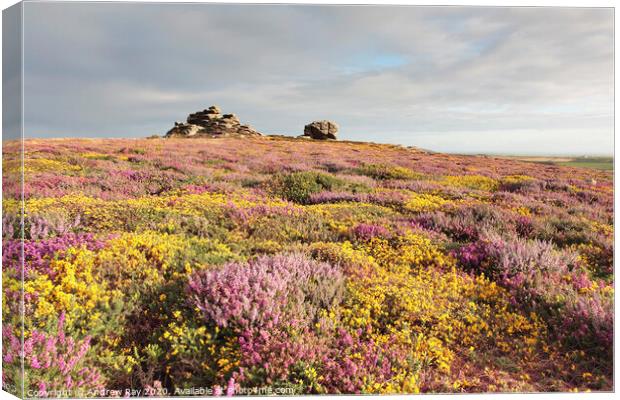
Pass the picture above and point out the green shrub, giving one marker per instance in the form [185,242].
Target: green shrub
[385,172]
[298,186]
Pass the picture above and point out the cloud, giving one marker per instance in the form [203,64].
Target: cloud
[411,75]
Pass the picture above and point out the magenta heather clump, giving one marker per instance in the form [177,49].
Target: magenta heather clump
[548,279]
[365,232]
[270,304]
[336,197]
[589,319]
[265,291]
[52,361]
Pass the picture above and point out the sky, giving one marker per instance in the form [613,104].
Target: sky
[453,79]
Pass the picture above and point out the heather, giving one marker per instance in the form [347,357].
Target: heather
[320,267]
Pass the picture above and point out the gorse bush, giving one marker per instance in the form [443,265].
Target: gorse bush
[472,182]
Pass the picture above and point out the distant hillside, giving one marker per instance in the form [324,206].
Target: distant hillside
[602,163]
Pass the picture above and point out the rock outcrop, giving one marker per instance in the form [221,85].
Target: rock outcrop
[211,123]
[321,130]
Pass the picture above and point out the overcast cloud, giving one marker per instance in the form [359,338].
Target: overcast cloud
[502,80]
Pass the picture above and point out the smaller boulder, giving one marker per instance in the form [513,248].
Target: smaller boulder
[321,130]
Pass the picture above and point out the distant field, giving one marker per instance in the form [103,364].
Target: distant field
[601,163]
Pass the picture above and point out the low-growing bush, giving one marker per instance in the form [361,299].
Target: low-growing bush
[266,292]
[53,363]
[518,183]
[386,172]
[298,186]
[365,232]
